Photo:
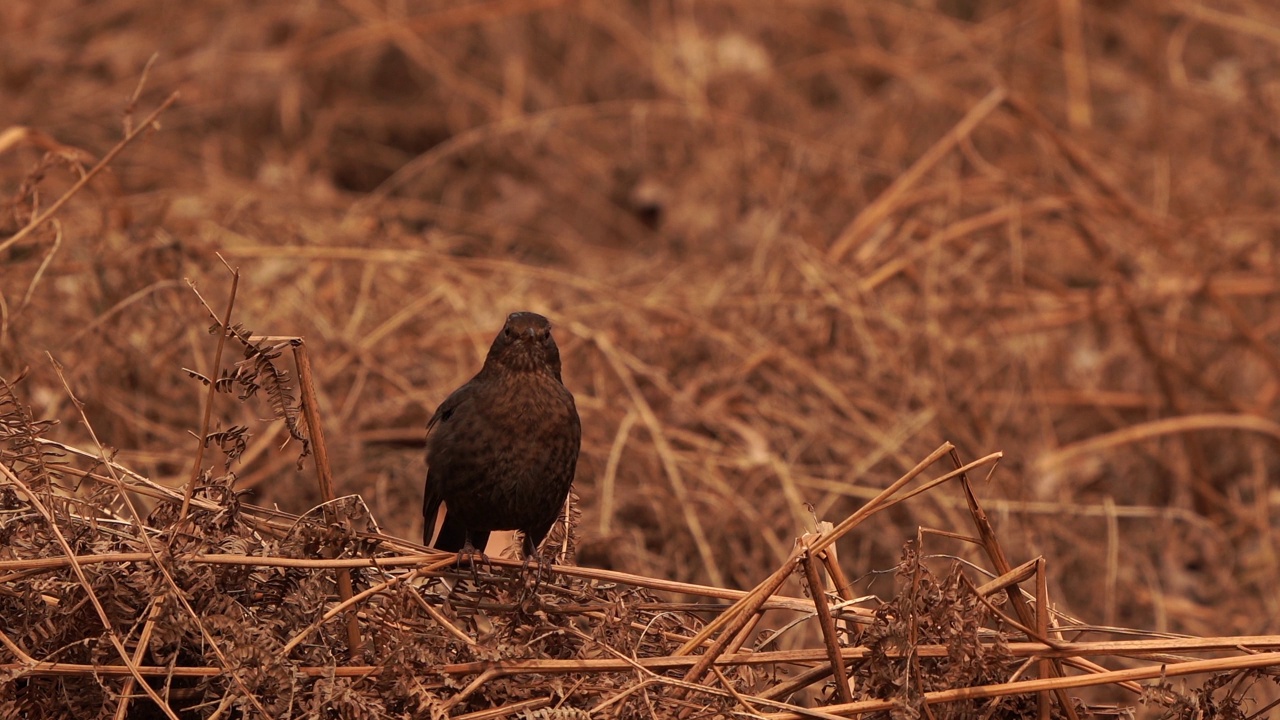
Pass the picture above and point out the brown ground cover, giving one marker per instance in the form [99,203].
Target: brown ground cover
[790,249]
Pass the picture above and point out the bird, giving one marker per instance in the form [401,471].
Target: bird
[502,449]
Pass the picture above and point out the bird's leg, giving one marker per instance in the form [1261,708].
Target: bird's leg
[528,592]
[524,567]
[470,552]
[531,556]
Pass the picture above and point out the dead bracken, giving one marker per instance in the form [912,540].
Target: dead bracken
[790,248]
[238,610]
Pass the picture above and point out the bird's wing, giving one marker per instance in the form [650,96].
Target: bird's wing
[431,498]
[447,408]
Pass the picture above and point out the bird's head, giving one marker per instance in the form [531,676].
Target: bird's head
[525,345]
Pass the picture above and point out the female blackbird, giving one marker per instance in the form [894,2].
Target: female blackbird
[503,448]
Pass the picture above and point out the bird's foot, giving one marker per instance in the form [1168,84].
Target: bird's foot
[470,553]
[529,591]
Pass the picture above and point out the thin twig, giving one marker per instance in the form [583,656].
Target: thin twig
[93,172]
[828,625]
[139,653]
[224,326]
[879,209]
[991,544]
[324,476]
[1142,649]
[1045,667]
[1026,687]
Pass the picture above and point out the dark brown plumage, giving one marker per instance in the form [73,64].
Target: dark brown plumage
[503,448]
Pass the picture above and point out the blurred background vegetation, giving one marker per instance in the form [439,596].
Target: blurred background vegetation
[789,248]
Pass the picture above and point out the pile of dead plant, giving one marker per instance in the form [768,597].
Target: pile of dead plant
[206,606]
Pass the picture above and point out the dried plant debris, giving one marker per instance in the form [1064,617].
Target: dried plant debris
[1225,696]
[266,625]
[258,370]
[932,611]
[233,610]
[20,449]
